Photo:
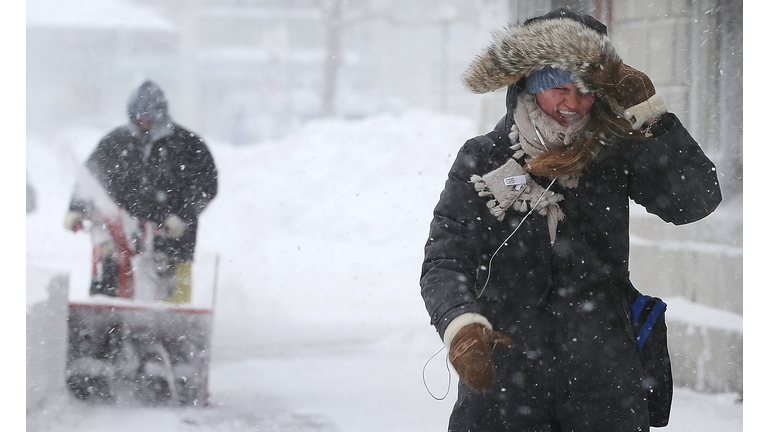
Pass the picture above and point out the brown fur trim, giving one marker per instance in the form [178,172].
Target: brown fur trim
[517,50]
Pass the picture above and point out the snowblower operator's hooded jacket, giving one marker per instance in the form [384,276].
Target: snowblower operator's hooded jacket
[167,170]
[565,304]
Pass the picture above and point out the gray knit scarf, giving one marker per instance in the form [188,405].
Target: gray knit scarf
[533,134]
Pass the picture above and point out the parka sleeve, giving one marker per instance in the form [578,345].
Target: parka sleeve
[453,249]
[103,165]
[199,181]
[672,177]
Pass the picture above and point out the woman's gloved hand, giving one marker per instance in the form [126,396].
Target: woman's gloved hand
[630,90]
[470,355]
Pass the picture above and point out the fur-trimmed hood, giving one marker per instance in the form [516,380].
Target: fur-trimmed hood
[561,39]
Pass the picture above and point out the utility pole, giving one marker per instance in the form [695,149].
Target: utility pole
[333,58]
[446,13]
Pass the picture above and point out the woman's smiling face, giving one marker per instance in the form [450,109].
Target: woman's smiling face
[564,103]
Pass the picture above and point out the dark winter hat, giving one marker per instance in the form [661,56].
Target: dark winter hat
[585,19]
[560,39]
[547,78]
[148,102]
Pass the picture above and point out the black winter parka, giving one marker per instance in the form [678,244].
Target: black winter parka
[566,304]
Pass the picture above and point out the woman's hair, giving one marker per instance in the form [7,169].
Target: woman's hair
[603,127]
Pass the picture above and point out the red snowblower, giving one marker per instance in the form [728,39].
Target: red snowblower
[127,343]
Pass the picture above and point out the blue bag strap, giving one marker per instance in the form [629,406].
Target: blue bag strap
[638,305]
[656,312]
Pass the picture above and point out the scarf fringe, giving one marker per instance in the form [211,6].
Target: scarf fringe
[520,200]
[525,146]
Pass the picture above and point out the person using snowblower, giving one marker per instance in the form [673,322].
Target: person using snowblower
[148,183]
[525,274]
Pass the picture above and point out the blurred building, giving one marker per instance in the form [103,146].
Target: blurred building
[269,66]
[245,71]
[84,58]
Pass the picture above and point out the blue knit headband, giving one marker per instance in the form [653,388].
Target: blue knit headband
[547,78]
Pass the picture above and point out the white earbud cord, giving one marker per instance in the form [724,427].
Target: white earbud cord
[423,370]
[533,207]
[424,377]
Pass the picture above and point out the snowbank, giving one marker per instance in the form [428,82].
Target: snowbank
[319,235]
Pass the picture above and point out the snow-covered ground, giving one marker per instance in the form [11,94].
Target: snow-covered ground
[319,324]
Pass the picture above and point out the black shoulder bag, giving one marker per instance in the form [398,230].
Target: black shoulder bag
[651,335]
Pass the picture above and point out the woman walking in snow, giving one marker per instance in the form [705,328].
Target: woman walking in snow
[526,274]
